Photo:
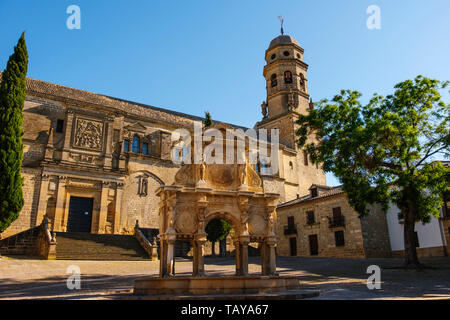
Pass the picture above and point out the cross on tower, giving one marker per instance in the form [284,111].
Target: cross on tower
[282,22]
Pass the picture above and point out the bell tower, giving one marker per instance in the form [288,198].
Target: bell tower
[286,86]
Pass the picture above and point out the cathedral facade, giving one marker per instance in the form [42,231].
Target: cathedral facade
[92,163]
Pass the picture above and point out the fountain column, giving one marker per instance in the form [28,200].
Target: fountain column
[245,239]
[199,264]
[237,256]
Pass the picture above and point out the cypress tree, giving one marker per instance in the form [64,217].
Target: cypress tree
[208,120]
[12,99]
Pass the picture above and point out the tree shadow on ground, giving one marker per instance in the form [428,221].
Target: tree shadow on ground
[323,274]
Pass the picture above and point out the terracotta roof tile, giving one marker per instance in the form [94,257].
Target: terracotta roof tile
[58,92]
[333,191]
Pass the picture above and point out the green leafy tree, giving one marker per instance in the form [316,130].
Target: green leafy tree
[217,230]
[12,98]
[208,122]
[384,152]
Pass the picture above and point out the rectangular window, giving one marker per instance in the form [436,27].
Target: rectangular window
[136,144]
[416,239]
[126,145]
[305,158]
[59,126]
[313,192]
[310,217]
[337,213]
[145,148]
[339,238]
[291,221]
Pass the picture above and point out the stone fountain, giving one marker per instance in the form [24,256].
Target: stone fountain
[203,192]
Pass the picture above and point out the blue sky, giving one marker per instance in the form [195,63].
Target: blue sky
[192,56]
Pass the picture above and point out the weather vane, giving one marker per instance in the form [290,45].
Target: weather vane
[282,21]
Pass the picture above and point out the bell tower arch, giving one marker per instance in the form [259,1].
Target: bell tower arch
[286,87]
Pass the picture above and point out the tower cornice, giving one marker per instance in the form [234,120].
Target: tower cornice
[285,91]
[286,45]
[280,116]
[287,62]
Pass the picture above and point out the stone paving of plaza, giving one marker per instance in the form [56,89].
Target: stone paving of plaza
[335,278]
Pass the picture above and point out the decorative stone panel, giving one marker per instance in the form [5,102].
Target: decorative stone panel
[88,134]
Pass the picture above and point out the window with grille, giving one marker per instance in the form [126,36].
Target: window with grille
[136,144]
[145,148]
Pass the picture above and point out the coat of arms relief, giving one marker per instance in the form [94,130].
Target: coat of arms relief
[88,134]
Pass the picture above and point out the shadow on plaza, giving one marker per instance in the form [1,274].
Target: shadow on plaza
[54,287]
[322,274]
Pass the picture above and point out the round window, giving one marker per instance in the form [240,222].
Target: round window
[273,56]
[286,53]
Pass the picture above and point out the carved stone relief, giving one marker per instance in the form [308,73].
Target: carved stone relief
[88,134]
[143,185]
[220,175]
[84,158]
[186,220]
[257,224]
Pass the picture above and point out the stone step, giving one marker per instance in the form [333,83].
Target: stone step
[86,246]
[102,258]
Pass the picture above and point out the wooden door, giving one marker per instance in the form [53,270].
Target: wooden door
[313,245]
[293,246]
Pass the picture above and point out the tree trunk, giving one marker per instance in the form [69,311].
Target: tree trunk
[213,248]
[223,247]
[411,260]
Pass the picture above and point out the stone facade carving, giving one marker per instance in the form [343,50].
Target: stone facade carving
[143,186]
[88,134]
[84,158]
[256,225]
[264,109]
[220,175]
[186,220]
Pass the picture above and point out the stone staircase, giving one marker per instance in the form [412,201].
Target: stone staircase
[106,247]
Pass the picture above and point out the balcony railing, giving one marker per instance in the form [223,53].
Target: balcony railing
[290,229]
[336,222]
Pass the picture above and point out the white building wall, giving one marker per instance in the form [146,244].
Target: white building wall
[430,234]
